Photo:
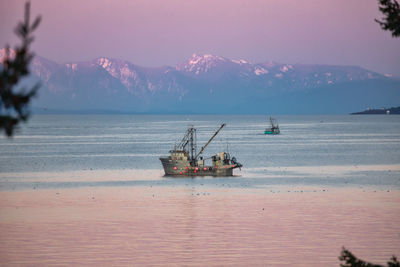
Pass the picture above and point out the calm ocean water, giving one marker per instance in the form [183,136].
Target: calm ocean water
[311,150]
[89,191]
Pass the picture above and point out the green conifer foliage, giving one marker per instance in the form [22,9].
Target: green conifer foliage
[14,101]
[391,20]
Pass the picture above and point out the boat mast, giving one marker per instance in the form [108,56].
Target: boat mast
[274,124]
[209,141]
[192,143]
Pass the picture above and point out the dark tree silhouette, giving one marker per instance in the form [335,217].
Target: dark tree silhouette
[14,102]
[352,261]
[391,19]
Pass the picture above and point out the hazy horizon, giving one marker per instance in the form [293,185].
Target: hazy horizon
[156,33]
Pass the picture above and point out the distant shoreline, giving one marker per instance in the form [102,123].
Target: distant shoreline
[388,111]
[52,111]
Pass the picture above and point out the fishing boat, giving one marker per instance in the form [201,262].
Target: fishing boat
[274,129]
[185,161]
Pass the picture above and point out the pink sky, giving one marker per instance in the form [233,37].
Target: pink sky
[166,32]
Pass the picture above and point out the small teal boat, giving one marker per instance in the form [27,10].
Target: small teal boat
[274,129]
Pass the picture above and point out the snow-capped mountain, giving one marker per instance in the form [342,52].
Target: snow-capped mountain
[209,83]
[299,75]
[199,64]
[139,80]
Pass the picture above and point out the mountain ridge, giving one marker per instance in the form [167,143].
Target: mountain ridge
[207,83]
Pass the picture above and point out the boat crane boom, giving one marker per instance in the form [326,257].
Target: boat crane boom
[209,141]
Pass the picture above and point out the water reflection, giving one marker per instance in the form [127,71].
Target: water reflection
[197,226]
